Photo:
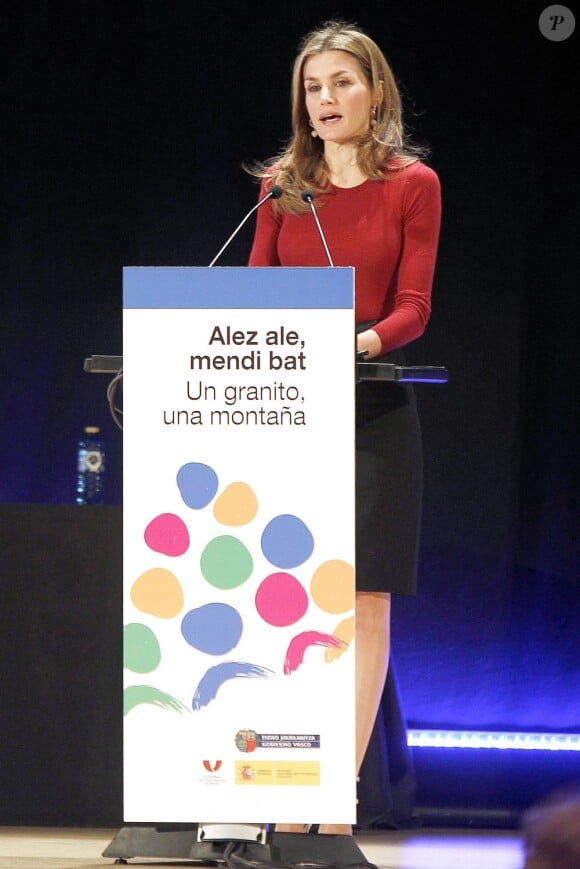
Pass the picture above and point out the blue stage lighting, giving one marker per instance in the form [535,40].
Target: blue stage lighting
[492,739]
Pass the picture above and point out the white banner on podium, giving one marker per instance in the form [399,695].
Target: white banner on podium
[239,545]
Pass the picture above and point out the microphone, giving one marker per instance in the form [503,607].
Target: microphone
[308,196]
[275,192]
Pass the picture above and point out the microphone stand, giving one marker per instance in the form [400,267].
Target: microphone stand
[308,196]
[274,193]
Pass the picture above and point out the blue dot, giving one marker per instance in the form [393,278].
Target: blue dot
[215,628]
[198,484]
[286,541]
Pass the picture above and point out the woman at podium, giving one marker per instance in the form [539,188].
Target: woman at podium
[377,207]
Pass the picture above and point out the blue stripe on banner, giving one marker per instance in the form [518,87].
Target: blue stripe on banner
[244,287]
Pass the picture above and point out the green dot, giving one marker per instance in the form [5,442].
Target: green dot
[141,650]
[225,562]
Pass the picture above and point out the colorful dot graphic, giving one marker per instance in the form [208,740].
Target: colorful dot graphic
[237,505]
[225,562]
[332,586]
[158,592]
[141,650]
[167,534]
[287,542]
[198,484]
[214,629]
[282,598]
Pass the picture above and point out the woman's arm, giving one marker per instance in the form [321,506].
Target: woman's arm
[421,220]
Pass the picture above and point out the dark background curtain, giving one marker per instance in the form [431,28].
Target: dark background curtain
[124,131]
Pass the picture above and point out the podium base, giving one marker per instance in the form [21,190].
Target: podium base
[282,850]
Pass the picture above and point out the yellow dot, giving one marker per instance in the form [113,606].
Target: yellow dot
[332,586]
[237,505]
[158,592]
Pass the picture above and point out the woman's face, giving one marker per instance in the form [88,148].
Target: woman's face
[338,96]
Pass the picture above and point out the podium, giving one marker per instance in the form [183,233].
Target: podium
[239,569]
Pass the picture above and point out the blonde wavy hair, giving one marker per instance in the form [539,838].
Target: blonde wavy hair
[381,150]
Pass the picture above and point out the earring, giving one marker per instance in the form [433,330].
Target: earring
[373,116]
[313,132]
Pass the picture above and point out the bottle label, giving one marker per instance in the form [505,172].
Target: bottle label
[91,460]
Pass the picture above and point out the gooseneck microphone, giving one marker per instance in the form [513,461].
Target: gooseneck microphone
[275,192]
[308,196]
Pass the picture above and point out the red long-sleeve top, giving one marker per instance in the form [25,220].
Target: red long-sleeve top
[388,230]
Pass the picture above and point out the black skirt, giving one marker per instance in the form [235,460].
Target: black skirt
[389,485]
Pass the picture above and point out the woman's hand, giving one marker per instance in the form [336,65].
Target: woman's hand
[370,343]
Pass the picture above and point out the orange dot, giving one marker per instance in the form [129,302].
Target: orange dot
[332,586]
[158,592]
[237,505]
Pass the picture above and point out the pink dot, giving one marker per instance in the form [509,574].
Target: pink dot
[281,600]
[167,534]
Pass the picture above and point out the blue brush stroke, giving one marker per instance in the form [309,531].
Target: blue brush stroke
[213,679]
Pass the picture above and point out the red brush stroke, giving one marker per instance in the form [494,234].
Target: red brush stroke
[301,642]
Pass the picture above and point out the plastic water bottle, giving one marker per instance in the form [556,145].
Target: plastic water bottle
[91,467]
